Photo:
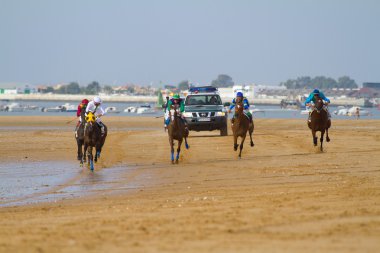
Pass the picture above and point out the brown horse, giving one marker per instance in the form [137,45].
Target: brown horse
[79,136]
[93,138]
[176,131]
[319,121]
[241,126]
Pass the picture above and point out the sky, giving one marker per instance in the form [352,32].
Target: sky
[167,41]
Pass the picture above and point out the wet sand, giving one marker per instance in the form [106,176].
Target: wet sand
[282,196]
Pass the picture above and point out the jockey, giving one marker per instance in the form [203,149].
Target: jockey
[240,97]
[176,100]
[310,100]
[95,107]
[82,106]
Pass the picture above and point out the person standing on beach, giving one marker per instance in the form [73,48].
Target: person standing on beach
[357,113]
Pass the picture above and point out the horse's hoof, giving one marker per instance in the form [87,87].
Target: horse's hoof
[187,146]
[328,139]
[173,162]
[78,158]
[252,144]
[176,161]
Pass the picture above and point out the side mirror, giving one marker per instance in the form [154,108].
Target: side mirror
[227,104]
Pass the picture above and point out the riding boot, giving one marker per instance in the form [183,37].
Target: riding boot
[102,130]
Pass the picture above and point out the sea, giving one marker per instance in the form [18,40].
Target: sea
[261,111]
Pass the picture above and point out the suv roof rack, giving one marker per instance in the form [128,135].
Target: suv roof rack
[203,89]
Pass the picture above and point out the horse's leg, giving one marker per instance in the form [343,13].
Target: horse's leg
[186,145]
[322,133]
[241,144]
[315,139]
[171,142]
[250,135]
[80,151]
[327,135]
[89,155]
[96,154]
[91,159]
[84,152]
[235,142]
[79,157]
[178,150]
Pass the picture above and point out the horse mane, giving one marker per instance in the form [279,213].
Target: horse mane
[319,104]
[175,116]
[239,108]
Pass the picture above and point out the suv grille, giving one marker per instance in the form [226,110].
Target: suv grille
[203,114]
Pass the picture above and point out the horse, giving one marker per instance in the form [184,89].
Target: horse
[176,131]
[93,138]
[319,121]
[79,136]
[241,126]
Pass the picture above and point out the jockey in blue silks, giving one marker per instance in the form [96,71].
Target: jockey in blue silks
[240,97]
[310,100]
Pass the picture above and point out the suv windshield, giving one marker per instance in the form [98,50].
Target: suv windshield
[203,100]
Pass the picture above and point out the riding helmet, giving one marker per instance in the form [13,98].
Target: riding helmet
[239,94]
[176,96]
[97,100]
[316,91]
[85,101]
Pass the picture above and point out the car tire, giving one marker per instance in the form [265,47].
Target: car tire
[224,131]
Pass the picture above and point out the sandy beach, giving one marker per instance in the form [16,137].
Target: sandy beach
[282,196]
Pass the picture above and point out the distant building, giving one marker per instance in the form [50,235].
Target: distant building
[372,85]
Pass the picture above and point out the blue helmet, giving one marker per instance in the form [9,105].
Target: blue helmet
[239,94]
[316,91]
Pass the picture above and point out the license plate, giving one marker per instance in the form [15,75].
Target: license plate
[204,119]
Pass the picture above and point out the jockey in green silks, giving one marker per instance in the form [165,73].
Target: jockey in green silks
[175,100]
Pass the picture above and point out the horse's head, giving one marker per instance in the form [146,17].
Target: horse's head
[239,107]
[174,109]
[90,117]
[318,103]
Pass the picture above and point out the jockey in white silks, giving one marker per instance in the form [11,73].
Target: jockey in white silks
[95,107]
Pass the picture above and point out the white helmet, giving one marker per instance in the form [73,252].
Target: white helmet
[97,100]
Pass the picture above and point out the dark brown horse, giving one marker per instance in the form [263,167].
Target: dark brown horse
[241,126]
[79,136]
[319,121]
[176,131]
[93,138]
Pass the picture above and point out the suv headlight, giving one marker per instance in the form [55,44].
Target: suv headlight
[187,114]
[220,113]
